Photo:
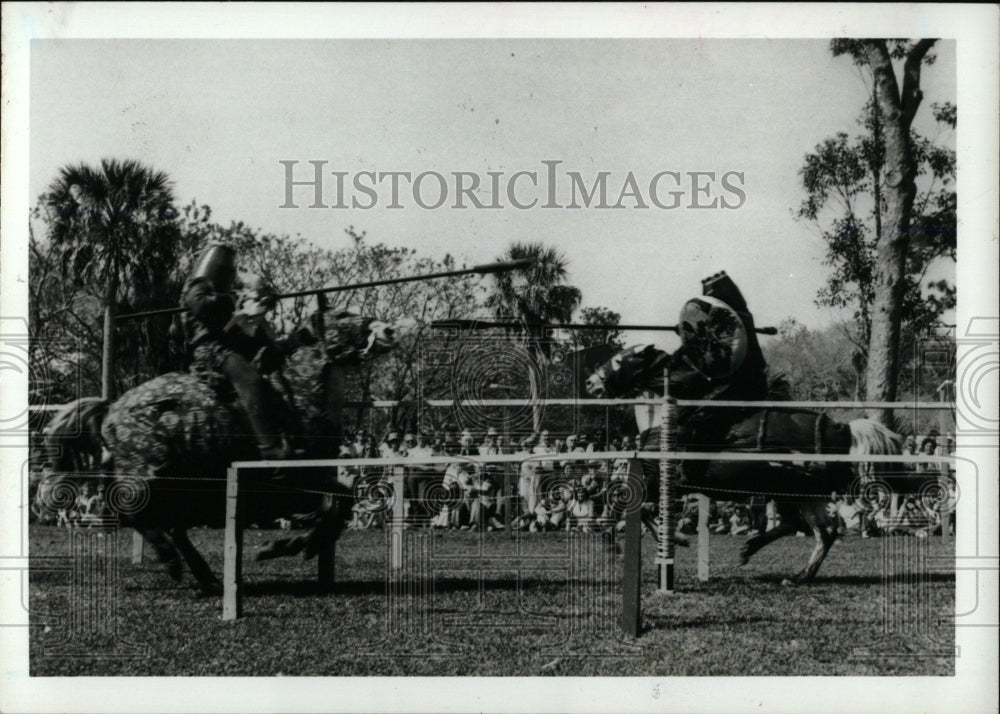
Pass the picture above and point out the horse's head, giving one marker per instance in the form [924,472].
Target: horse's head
[351,339]
[627,373]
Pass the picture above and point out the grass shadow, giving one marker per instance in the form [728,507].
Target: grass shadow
[305,588]
[856,580]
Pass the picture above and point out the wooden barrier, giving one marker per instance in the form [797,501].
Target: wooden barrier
[631,607]
[631,619]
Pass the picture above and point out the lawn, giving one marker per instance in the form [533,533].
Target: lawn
[539,604]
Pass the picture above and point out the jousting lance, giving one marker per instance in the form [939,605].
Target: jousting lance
[464,325]
[484,269]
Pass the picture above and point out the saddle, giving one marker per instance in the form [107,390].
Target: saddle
[782,430]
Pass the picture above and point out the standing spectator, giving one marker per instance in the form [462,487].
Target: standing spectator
[491,443]
[419,476]
[544,447]
[928,447]
[466,444]
[527,483]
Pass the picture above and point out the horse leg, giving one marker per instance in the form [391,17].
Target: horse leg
[787,527]
[333,520]
[165,550]
[649,513]
[208,583]
[824,532]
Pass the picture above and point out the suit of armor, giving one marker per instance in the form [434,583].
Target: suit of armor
[747,380]
[222,344]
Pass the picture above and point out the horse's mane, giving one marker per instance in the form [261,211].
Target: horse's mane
[778,387]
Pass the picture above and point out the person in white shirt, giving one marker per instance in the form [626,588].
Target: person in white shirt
[544,447]
[527,483]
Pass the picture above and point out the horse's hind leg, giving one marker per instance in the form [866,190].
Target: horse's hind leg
[165,550]
[825,533]
[786,527]
[208,583]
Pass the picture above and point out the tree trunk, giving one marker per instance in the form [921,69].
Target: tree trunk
[107,352]
[897,112]
[534,378]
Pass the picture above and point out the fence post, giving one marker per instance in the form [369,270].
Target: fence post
[631,621]
[398,514]
[668,440]
[138,543]
[232,578]
[703,512]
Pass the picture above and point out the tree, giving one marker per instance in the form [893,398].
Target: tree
[883,230]
[599,316]
[817,364]
[114,230]
[409,371]
[534,296]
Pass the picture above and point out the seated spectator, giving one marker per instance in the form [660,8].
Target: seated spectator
[580,510]
[390,446]
[688,521]
[739,522]
[911,520]
[483,496]
[718,521]
[550,513]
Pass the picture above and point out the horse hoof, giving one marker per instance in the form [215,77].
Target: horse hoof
[789,583]
[744,557]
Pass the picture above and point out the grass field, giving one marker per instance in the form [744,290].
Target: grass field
[497,622]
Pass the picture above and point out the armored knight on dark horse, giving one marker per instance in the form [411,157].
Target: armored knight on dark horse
[721,359]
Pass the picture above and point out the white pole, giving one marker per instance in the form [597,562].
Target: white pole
[703,512]
[398,515]
[665,546]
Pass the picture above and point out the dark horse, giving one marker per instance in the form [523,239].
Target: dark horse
[165,447]
[801,490]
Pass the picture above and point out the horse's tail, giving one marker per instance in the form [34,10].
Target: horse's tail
[73,439]
[870,438]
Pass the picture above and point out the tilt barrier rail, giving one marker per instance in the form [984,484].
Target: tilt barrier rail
[631,603]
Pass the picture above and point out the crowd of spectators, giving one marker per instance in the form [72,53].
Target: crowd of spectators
[548,492]
[552,493]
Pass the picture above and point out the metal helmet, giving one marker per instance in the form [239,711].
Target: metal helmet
[722,287]
[714,337]
[218,264]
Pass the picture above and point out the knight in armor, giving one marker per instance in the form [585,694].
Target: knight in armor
[719,358]
[227,343]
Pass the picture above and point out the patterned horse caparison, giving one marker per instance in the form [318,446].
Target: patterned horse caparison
[172,439]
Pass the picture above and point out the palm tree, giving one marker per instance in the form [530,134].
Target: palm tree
[535,297]
[114,228]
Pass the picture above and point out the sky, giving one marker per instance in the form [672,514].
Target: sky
[219,115]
